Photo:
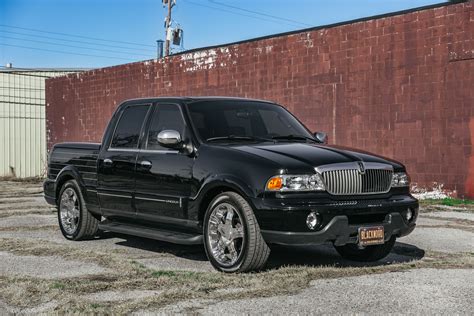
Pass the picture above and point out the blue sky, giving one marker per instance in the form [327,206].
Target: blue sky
[121,22]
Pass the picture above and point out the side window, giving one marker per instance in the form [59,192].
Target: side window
[129,126]
[166,116]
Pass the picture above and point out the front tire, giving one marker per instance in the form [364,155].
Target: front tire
[232,237]
[75,221]
[366,254]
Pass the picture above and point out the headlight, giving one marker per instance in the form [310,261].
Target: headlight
[302,182]
[400,179]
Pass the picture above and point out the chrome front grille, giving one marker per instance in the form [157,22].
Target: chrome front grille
[353,181]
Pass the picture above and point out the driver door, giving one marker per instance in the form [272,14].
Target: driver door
[163,174]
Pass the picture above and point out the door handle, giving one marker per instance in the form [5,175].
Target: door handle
[108,162]
[146,164]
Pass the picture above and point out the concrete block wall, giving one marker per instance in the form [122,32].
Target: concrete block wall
[400,85]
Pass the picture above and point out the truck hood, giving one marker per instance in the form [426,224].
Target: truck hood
[294,156]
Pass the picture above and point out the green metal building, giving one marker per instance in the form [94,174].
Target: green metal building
[22,120]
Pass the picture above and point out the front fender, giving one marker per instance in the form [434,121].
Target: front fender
[208,190]
[225,180]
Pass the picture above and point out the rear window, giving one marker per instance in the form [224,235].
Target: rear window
[129,126]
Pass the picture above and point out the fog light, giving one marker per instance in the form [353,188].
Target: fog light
[312,220]
[409,214]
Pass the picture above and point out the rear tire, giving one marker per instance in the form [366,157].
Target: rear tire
[367,254]
[232,237]
[75,220]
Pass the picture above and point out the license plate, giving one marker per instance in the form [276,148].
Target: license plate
[371,235]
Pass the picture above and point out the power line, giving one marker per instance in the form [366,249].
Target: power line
[258,13]
[75,41]
[63,52]
[240,14]
[78,36]
[73,46]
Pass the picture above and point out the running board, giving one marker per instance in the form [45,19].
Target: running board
[152,233]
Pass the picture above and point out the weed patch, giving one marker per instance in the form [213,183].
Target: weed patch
[448,202]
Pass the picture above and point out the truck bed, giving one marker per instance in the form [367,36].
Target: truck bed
[82,156]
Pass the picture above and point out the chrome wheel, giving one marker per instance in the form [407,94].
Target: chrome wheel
[225,234]
[69,211]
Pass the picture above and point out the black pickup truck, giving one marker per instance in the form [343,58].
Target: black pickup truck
[233,174]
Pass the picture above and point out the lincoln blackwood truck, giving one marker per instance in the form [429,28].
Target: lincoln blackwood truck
[236,175]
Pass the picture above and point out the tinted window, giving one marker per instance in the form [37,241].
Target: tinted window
[128,128]
[277,124]
[243,118]
[166,116]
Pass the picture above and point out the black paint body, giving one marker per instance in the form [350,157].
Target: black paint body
[175,191]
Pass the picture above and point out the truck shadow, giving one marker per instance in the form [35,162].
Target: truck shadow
[326,255]
[322,255]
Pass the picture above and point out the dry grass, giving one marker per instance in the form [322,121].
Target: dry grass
[32,180]
[438,207]
[29,228]
[23,212]
[468,229]
[453,223]
[125,273]
[175,286]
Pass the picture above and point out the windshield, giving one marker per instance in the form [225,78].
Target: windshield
[247,120]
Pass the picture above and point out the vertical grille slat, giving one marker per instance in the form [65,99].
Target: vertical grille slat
[353,182]
[346,182]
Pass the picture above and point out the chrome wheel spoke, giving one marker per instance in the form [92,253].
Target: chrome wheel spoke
[69,211]
[229,216]
[237,232]
[232,251]
[225,234]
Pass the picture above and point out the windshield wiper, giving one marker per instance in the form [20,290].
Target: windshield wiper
[295,137]
[239,138]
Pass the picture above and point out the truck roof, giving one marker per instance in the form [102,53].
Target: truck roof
[195,99]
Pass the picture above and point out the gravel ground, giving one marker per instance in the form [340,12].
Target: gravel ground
[429,271]
[441,239]
[414,292]
[28,221]
[458,215]
[50,267]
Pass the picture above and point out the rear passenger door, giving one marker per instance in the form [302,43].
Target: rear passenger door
[163,175]
[117,163]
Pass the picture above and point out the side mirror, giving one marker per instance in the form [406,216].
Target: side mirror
[169,138]
[322,137]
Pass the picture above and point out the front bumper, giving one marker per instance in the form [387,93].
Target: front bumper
[283,221]
[339,232]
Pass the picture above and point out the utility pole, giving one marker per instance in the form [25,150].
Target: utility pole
[167,26]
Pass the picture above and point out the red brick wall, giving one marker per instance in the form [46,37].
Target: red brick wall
[401,86]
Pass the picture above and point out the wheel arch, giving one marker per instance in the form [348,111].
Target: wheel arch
[66,174]
[217,187]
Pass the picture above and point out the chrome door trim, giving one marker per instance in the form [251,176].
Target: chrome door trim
[169,201]
[146,151]
[115,195]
